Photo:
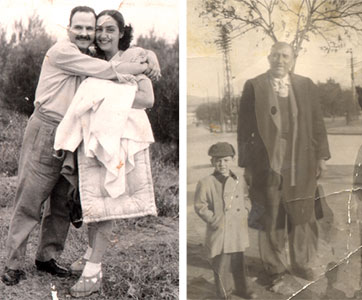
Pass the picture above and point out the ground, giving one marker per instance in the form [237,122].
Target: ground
[142,262]
[339,260]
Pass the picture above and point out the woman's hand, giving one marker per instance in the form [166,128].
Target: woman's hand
[153,71]
[144,96]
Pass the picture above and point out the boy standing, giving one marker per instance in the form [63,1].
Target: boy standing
[219,201]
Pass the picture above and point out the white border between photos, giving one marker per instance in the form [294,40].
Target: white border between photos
[183,151]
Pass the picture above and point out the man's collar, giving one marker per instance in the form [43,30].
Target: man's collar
[285,79]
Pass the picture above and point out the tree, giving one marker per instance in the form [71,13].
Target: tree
[21,70]
[328,20]
[208,112]
[5,51]
[332,102]
[359,95]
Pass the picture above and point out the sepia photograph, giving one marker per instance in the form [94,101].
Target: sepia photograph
[274,156]
[89,149]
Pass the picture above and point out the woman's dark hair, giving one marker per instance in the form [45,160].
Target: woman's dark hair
[127,30]
[85,9]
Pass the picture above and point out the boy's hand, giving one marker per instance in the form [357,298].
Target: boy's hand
[217,222]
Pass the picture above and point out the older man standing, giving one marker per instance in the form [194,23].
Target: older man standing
[39,178]
[282,144]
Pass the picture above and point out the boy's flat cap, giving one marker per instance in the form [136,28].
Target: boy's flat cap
[221,149]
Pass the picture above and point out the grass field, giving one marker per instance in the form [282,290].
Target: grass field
[142,262]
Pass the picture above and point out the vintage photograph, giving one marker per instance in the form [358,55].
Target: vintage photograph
[273,149]
[89,149]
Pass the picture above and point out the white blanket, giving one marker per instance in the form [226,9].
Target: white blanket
[101,116]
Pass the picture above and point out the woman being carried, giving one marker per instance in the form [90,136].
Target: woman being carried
[108,120]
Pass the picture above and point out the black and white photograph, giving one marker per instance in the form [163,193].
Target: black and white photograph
[274,156]
[89,149]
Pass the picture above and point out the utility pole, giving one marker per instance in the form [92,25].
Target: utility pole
[351,114]
[222,121]
[352,80]
[208,109]
[224,44]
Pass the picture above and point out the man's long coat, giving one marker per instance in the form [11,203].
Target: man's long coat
[259,134]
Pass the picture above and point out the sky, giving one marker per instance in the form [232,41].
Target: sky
[205,69]
[160,15]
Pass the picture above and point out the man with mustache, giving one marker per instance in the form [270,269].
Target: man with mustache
[39,178]
[283,146]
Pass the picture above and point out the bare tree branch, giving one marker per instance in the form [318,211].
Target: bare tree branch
[332,21]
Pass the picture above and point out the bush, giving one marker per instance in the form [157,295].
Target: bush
[164,116]
[12,125]
[21,71]
[165,180]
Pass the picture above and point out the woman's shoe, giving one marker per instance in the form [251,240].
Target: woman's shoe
[78,266]
[87,285]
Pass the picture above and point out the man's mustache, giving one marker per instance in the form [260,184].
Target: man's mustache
[83,38]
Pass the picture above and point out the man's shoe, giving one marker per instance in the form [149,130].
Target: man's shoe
[12,277]
[52,267]
[306,273]
[277,277]
[250,295]
[247,295]
[277,282]
[224,296]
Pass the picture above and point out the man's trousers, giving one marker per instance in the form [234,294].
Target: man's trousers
[280,222]
[39,180]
